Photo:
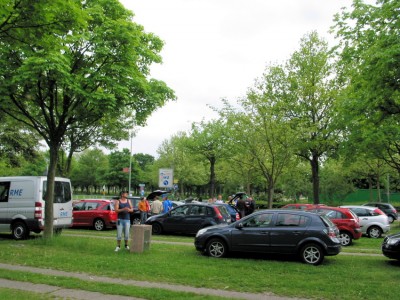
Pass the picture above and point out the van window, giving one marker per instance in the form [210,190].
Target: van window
[4,188]
[62,191]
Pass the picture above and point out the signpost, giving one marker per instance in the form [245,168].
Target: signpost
[166,178]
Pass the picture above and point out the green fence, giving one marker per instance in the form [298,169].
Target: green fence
[362,196]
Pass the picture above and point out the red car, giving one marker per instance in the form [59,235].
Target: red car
[345,220]
[97,213]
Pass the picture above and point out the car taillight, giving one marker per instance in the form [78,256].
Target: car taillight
[237,216]
[218,213]
[38,210]
[394,211]
[379,212]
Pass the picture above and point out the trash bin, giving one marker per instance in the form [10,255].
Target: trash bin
[140,238]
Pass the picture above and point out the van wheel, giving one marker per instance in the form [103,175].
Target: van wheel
[99,225]
[19,231]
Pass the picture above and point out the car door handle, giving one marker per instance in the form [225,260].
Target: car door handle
[296,232]
[263,232]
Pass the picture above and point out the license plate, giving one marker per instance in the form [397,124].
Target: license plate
[63,214]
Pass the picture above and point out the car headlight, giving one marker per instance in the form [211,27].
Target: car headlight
[392,241]
[201,232]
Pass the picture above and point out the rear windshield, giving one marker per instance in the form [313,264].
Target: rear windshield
[327,221]
[62,191]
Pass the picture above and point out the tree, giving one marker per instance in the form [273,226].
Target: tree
[208,140]
[75,66]
[188,171]
[313,90]
[261,130]
[91,166]
[369,39]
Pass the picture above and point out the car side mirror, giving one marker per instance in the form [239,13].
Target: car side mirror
[239,225]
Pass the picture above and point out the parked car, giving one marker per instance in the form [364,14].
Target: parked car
[98,214]
[345,220]
[301,206]
[387,208]
[189,218]
[309,235]
[372,220]
[135,215]
[391,246]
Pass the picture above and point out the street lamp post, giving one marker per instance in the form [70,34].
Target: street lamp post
[130,166]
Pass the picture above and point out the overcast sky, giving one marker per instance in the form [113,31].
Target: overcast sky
[215,49]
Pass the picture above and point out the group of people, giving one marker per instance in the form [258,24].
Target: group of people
[123,207]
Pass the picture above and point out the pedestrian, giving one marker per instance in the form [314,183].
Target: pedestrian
[123,207]
[219,199]
[156,206]
[144,209]
[241,206]
[250,206]
[167,204]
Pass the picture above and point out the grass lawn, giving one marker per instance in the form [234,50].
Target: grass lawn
[339,277]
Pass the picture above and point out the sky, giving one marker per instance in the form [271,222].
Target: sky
[216,49]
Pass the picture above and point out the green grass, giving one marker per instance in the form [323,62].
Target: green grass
[339,277]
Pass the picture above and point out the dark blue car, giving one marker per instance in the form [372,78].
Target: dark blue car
[308,235]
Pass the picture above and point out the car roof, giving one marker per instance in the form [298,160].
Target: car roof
[358,206]
[93,200]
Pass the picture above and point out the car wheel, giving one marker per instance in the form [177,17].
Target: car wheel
[345,238]
[99,225]
[391,219]
[216,248]
[312,254]
[156,228]
[374,232]
[19,231]
[135,221]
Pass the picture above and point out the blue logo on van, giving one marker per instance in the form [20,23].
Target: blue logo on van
[16,192]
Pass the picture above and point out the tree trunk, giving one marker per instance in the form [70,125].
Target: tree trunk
[212,176]
[315,178]
[48,209]
[271,191]
[378,187]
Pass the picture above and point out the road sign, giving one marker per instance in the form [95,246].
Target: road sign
[166,178]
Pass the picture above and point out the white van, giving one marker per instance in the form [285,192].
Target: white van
[22,204]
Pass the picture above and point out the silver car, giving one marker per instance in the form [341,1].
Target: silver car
[373,221]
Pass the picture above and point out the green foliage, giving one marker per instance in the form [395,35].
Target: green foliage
[369,39]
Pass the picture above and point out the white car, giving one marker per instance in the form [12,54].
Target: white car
[372,220]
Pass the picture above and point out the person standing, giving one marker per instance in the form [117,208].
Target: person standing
[250,206]
[156,206]
[219,199]
[123,207]
[144,209]
[167,204]
[241,206]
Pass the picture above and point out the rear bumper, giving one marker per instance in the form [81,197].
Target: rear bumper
[333,250]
